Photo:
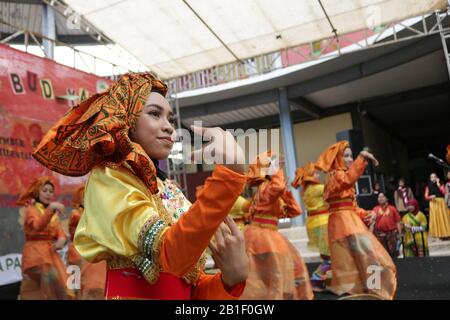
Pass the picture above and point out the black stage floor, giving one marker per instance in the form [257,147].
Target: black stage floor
[418,279]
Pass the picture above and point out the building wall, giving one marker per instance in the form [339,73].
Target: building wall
[312,137]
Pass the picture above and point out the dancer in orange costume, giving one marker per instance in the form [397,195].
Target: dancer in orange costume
[135,218]
[360,264]
[93,275]
[43,270]
[277,271]
[317,221]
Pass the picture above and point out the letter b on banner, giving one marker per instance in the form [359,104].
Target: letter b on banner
[16,84]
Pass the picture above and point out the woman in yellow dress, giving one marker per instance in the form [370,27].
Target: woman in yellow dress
[316,223]
[136,219]
[415,236]
[439,213]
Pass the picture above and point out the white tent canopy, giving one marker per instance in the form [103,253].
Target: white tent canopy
[175,37]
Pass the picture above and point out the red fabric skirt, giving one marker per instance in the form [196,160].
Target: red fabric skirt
[129,283]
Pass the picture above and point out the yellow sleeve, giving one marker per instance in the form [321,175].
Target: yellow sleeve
[240,207]
[405,220]
[313,198]
[423,220]
[116,208]
[122,219]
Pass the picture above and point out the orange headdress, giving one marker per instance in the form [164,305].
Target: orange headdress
[332,158]
[33,190]
[304,175]
[258,169]
[96,132]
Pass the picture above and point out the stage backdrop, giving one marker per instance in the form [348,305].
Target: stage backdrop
[34,93]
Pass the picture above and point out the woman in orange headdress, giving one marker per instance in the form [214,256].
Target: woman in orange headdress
[277,270]
[93,275]
[359,262]
[135,218]
[43,271]
[317,221]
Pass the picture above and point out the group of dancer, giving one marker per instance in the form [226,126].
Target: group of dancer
[138,236]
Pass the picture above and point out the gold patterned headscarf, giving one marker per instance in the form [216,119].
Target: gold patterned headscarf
[96,132]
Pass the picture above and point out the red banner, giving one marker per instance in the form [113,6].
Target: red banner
[34,93]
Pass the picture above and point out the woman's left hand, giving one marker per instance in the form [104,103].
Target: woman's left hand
[228,252]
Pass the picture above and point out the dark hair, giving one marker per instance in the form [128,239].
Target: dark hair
[382,193]
[437,176]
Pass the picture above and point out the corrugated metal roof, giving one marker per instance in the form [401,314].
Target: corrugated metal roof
[244,114]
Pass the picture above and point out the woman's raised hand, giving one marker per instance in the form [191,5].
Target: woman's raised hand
[221,148]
